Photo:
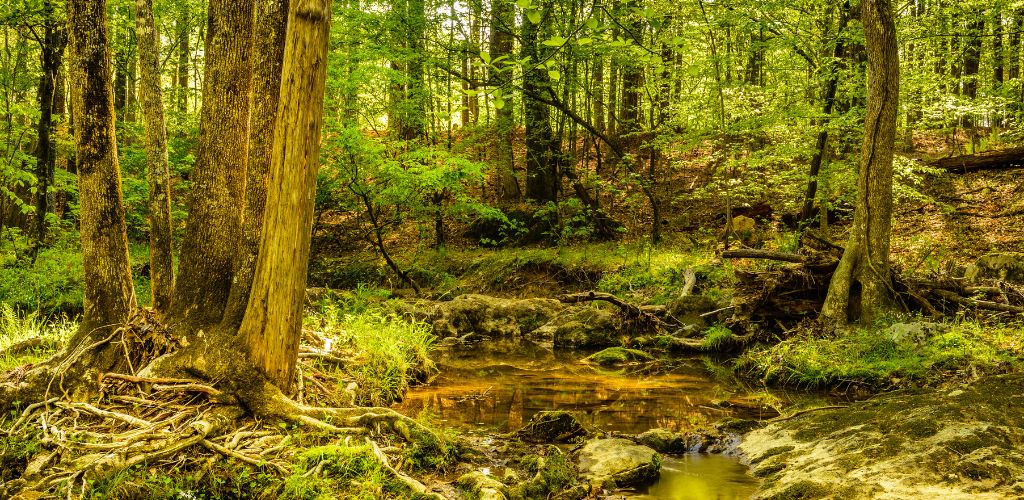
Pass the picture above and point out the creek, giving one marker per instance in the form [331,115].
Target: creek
[495,387]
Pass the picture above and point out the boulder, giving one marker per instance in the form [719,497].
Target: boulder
[588,327]
[1006,266]
[483,315]
[914,333]
[616,463]
[688,310]
[551,427]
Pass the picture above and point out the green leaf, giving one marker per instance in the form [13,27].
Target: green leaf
[486,57]
[585,41]
[555,41]
[534,16]
[555,75]
[523,4]
[592,23]
[499,103]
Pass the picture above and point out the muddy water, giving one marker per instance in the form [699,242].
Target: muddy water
[497,388]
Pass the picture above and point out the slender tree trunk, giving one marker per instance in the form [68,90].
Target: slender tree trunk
[213,230]
[273,320]
[632,80]
[46,152]
[866,259]
[831,87]
[414,124]
[161,255]
[1013,55]
[502,22]
[268,59]
[109,292]
[184,49]
[972,63]
[998,54]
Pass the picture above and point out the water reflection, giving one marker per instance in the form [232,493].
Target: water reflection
[501,389]
[701,477]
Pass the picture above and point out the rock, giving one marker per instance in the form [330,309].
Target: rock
[665,441]
[962,443]
[914,333]
[587,327]
[551,427]
[688,310]
[483,315]
[484,487]
[616,463]
[1007,266]
[613,356]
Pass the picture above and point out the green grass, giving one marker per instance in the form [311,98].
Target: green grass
[18,327]
[389,352]
[716,337]
[869,356]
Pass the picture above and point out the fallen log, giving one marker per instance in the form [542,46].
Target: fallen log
[980,304]
[1004,159]
[748,253]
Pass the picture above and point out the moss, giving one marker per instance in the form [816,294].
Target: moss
[617,356]
[801,490]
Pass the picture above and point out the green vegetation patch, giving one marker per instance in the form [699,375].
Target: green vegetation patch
[29,338]
[890,356]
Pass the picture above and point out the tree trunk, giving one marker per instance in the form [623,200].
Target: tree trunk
[863,272]
[1013,56]
[183,34]
[632,79]
[998,55]
[273,320]
[541,145]
[206,269]
[268,58]
[972,63]
[414,124]
[502,24]
[109,292]
[46,152]
[161,255]
[831,87]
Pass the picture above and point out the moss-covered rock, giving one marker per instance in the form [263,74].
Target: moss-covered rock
[551,427]
[688,310]
[586,327]
[614,356]
[482,486]
[617,462]
[959,443]
[486,316]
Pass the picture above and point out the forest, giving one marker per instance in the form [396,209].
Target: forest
[511,249]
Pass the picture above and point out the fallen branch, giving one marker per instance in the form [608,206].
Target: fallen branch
[747,253]
[1005,159]
[979,304]
[577,298]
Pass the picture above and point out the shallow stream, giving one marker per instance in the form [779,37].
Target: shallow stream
[496,387]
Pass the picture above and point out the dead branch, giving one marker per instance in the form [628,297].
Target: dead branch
[1005,159]
[747,253]
[979,304]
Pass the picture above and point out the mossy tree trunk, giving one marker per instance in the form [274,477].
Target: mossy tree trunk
[271,22]
[214,227]
[272,326]
[502,24]
[541,144]
[161,260]
[109,292]
[861,287]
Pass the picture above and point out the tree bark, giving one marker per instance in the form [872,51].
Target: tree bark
[273,320]
[541,145]
[502,24]
[632,79]
[109,292]
[161,255]
[866,259]
[213,230]
[184,48]
[46,152]
[268,58]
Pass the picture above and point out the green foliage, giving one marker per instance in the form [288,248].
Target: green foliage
[870,356]
[339,471]
[47,336]
[391,352]
[53,283]
[716,337]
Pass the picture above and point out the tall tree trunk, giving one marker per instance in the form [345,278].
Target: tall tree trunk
[632,79]
[972,62]
[46,152]
[161,255]
[541,145]
[502,24]
[414,124]
[998,54]
[831,87]
[268,59]
[1013,56]
[213,229]
[183,28]
[273,320]
[109,292]
[866,259]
